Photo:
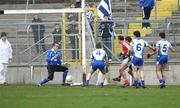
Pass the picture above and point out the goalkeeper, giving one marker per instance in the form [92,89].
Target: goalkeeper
[55,64]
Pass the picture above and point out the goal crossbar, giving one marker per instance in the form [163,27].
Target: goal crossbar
[37,11]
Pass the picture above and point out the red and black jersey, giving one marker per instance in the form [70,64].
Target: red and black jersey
[125,47]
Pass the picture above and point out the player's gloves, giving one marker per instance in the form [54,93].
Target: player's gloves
[66,64]
[148,55]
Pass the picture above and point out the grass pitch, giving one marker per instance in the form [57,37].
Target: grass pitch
[56,96]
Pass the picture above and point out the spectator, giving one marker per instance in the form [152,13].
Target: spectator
[38,31]
[106,30]
[5,56]
[57,34]
[147,6]
[72,31]
[89,15]
[78,4]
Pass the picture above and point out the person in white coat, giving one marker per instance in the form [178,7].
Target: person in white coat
[5,56]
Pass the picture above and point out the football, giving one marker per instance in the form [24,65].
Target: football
[69,79]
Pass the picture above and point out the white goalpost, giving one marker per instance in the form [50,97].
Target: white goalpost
[83,43]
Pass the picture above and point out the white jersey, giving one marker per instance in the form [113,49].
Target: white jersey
[98,54]
[89,15]
[138,47]
[163,47]
[5,51]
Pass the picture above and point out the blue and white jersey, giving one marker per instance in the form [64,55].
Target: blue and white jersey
[138,47]
[163,47]
[53,54]
[98,55]
[89,15]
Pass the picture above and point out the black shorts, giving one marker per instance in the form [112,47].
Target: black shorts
[55,68]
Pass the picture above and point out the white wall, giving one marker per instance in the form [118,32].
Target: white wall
[23,74]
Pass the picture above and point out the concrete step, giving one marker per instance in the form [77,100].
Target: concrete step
[129,14]
[176,14]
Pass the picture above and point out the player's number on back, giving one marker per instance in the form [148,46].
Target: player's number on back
[98,53]
[138,47]
[164,48]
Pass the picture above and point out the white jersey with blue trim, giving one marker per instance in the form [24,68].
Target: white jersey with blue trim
[163,47]
[98,54]
[138,47]
[89,15]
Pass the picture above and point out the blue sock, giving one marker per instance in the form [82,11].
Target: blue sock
[139,83]
[64,76]
[87,82]
[160,81]
[143,82]
[102,84]
[136,82]
[163,81]
[44,81]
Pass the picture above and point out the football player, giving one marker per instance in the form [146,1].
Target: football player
[55,64]
[99,60]
[138,46]
[162,47]
[125,54]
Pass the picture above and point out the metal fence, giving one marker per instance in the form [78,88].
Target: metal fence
[27,49]
[24,47]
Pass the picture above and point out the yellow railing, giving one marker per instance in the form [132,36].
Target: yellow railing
[95,27]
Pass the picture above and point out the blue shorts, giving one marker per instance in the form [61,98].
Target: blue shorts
[162,59]
[137,61]
[98,65]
